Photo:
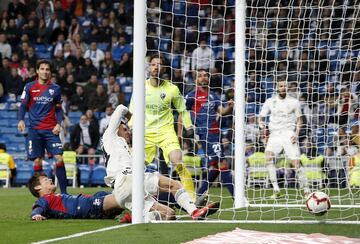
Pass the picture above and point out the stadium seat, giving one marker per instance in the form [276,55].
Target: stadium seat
[23,174]
[74,117]
[85,172]
[97,175]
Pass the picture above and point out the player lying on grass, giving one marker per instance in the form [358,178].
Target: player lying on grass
[101,205]
[116,141]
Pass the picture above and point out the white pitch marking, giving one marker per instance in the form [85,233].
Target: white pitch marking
[82,234]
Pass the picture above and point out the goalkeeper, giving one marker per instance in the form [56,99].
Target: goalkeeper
[161,95]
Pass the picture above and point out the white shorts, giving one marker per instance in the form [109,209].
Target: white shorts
[123,190]
[280,140]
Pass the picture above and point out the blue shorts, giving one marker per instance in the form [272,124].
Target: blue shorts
[211,143]
[39,140]
[96,205]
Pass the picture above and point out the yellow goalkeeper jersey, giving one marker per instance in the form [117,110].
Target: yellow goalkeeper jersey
[158,107]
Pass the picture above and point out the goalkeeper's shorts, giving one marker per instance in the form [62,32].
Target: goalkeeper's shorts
[167,140]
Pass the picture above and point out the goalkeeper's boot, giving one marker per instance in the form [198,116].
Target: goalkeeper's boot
[276,195]
[202,213]
[201,201]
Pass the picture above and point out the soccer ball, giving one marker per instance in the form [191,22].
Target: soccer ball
[318,203]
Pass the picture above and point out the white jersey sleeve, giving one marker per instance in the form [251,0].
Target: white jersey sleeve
[116,149]
[265,110]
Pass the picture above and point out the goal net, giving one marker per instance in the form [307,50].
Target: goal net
[313,46]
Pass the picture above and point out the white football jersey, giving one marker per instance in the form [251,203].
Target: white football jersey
[283,113]
[117,151]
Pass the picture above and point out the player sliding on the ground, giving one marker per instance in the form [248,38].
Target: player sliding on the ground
[50,205]
[285,124]
[116,141]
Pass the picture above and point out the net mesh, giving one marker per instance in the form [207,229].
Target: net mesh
[313,45]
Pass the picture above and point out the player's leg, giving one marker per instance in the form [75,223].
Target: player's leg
[273,148]
[35,149]
[169,143]
[292,151]
[54,147]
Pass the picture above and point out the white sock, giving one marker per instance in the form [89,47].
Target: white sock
[183,198]
[302,179]
[272,175]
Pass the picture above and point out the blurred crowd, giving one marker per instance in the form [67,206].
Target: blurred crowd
[315,44]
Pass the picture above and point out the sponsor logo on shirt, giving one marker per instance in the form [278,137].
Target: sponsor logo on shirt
[51,91]
[43,100]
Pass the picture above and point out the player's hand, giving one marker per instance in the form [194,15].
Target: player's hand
[294,139]
[190,133]
[56,130]
[38,217]
[21,126]
[231,103]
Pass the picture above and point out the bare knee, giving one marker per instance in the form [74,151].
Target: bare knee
[176,157]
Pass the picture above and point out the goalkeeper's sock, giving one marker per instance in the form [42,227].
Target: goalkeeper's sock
[183,198]
[186,180]
[61,176]
[272,175]
[211,176]
[226,179]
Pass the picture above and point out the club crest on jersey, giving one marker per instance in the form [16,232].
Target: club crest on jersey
[162,96]
[51,91]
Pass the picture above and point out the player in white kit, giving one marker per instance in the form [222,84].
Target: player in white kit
[116,141]
[284,125]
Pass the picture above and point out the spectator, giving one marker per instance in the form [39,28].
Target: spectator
[86,72]
[68,56]
[5,48]
[108,66]
[95,54]
[116,97]
[31,57]
[69,87]
[61,30]
[77,100]
[91,86]
[42,35]
[8,160]
[98,100]
[76,43]
[13,83]
[84,138]
[43,10]
[202,58]
[74,29]
[104,122]
[126,66]
[16,7]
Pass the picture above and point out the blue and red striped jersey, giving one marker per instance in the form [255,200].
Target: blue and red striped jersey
[43,103]
[203,106]
[64,206]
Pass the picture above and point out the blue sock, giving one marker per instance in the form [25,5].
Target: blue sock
[207,179]
[61,176]
[226,179]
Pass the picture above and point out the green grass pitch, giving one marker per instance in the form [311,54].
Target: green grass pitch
[16,226]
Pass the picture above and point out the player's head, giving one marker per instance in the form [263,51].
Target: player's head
[202,78]
[156,67]
[281,88]
[40,184]
[43,69]
[125,132]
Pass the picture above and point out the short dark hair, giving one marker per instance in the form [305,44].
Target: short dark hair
[156,56]
[43,61]
[34,182]
[3,146]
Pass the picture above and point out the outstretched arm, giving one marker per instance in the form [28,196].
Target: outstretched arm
[120,112]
